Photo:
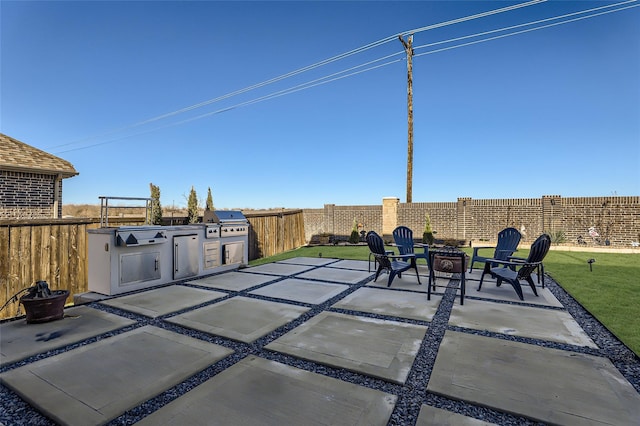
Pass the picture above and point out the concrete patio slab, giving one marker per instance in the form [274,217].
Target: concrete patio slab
[281,269]
[312,261]
[506,292]
[407,282]
[547,385]
[436,416]
[239,318]
[235,281]
[378,348]
[517,320]
[95,383]
[304,291]
[162,301]
[358,265]
[337,275]
[19,340]
[395,303]
[258,391]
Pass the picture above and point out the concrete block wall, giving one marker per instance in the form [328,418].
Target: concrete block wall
[615,218]
[29,195]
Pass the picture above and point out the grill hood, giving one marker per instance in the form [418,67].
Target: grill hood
[223,216]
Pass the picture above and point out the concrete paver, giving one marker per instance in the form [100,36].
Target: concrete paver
[379,348]
[403,304]
[436,416]
[103,379]
[360,265]
[506,292]
[547,385]
[21,340]
[234,281]
[408,281]
[304,291]
[314,261]
[239,318]
[95,383]
[282,269]
[518,320]
[336,275]
[256,391]
[165,300]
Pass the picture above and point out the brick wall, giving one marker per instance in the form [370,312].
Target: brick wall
[338,220]
[615,218]
[29,195]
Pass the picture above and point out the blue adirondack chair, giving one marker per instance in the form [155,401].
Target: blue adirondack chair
[514,269]
[403,239]
[508,240]
[395,264]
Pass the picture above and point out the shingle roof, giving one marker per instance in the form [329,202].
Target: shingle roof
[18,156]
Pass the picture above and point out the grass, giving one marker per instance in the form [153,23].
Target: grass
[611,292]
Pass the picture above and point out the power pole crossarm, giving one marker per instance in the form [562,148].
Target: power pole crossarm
[408,47]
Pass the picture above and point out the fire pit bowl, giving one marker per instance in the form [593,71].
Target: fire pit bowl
[42,304]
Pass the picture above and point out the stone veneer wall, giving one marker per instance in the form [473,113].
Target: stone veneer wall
[615,218]
[29,195]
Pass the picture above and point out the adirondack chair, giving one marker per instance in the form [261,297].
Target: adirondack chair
[508,240]
[403,238]
[514,269]
[395,264]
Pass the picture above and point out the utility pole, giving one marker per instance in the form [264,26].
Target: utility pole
[408,48]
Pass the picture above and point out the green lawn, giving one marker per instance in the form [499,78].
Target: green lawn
[611,292]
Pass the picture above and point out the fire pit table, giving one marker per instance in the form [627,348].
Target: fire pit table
[448,259]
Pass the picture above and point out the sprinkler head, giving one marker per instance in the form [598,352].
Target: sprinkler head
[591,262]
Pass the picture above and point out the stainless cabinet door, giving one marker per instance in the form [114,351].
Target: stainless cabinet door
[137,267]
[234,253]
[185,256]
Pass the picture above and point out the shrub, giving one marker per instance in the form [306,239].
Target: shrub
[427,235]
[156,208]
[557,237]
[354,238]
[192,207]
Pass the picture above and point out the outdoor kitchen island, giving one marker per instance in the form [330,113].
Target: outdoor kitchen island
[130,258]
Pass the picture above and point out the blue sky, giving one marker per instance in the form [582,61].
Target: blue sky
[109,86]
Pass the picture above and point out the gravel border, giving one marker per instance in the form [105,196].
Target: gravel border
[411,396]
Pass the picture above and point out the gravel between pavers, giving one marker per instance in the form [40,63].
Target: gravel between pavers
[411,395]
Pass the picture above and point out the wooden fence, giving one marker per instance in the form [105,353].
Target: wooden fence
[56,251]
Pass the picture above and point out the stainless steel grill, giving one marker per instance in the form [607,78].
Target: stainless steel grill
[233,233]
[232,223]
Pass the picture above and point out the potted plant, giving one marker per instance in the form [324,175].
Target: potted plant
[43,305]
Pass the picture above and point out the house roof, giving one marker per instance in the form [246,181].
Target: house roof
[18,156]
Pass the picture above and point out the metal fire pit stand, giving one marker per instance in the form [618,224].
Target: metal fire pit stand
[449,252]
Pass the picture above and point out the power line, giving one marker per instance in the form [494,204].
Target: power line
[300,71]
[349,72]
[528,24]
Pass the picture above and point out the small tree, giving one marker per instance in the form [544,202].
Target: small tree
[355,237]
[209,205]
[192,207]
[427,235]
[156,208]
